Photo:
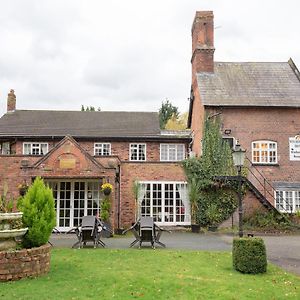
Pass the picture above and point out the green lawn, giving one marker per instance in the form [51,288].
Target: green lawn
[150,274]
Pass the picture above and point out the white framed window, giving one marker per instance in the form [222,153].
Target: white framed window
[287,201]
[137,152]
[172,152]
[102,149]
[166,201]
[5,148]
[35,148]
[264,152]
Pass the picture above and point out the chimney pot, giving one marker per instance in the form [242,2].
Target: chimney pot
[11,101]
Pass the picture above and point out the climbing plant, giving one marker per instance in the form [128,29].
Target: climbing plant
[216,160]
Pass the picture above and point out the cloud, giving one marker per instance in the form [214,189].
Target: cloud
[128,55]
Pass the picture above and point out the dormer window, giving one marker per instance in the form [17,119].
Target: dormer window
[35,148]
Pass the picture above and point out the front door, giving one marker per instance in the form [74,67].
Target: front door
[73,200]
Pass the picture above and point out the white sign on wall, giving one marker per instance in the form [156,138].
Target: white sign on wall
[294,147]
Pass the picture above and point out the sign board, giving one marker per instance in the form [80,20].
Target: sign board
[67,163]
[294,143]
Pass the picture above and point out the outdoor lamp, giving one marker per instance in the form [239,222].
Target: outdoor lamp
[238,156]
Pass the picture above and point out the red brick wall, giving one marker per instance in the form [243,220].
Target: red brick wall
[13,173]
[15,265]
[143,172]
[274,124]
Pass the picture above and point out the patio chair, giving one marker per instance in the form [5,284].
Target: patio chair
[89,231]
[135,230]
[147,231]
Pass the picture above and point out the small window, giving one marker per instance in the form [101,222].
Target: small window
[137,152]
[35,148]
[172,152]
[264,152]
[102,149]
[5,148]
[230,140]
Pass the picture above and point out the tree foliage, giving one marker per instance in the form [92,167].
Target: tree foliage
[89,108]
[166,112]
[216,160]
[177,122]
[38,214]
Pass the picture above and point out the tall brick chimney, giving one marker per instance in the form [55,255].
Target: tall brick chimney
[203,42]
[11,101]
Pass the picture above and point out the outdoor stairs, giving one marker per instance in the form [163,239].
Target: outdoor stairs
[263,200]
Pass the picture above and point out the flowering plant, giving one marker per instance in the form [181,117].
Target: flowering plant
[106,186]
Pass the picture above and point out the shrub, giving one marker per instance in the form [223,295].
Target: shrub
[38,214]
[266,220]
[105,208]
[249,255]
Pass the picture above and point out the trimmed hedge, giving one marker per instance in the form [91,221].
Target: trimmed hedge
[249,255]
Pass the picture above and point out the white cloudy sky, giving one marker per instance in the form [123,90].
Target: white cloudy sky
[128,54]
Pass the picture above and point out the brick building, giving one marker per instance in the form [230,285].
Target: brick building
[258,104]
[75,152]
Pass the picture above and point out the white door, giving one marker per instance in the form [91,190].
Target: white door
[73,200]
[166,202]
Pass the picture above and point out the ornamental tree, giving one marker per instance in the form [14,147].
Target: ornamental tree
[38,214]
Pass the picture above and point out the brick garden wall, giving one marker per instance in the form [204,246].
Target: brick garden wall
[15,265]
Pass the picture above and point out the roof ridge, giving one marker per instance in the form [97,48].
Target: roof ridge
[251,62]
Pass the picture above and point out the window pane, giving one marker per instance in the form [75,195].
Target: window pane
[264,152]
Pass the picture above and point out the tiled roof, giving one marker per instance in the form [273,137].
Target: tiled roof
[250,84]
[79,124]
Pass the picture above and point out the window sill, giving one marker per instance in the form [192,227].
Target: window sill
[265,165]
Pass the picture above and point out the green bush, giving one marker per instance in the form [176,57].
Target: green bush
[249,255]
[38,214]
[104,209]
[266,220]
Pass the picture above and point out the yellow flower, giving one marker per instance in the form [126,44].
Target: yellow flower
[106,186]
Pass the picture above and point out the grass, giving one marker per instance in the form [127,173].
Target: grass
[150,274]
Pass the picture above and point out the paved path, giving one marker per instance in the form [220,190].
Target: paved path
[283,251]
[174,240]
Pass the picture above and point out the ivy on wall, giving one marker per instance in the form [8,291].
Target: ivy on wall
[215,203]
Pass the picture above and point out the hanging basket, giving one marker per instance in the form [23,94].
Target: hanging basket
[106,191]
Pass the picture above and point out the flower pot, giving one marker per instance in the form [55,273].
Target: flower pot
[195,228]
[22,191]
[106,192]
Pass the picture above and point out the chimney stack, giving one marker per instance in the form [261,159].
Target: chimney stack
[203,42]
[11,101]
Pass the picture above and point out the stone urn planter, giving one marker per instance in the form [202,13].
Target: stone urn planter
[9,234]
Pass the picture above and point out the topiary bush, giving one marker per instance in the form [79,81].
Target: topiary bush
[38,214]
[249,255]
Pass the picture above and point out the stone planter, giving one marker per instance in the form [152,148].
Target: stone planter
[33,262]
[9,235]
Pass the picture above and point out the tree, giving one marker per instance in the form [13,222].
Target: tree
[38,214]
[177,123]
[166,112]
[216,160]
[89,108]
